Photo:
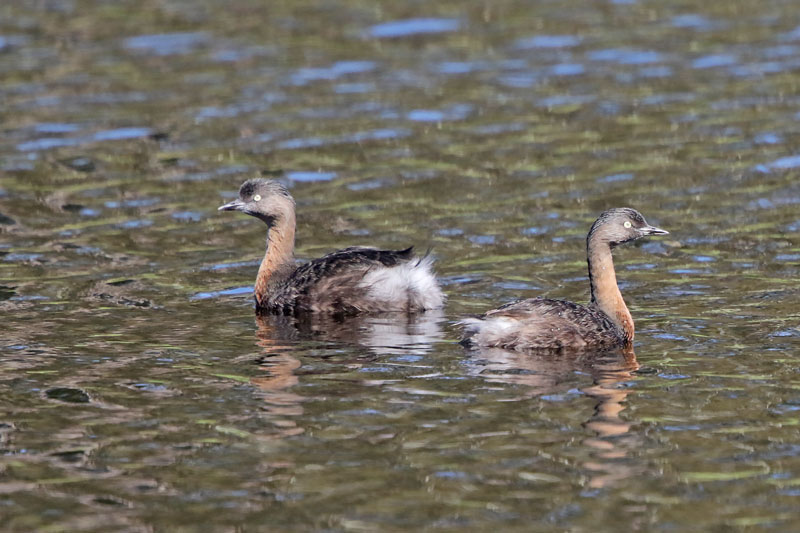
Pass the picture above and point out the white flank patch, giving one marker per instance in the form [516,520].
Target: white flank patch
[409,285]
[487,331]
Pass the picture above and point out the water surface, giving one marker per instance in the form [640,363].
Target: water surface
[140,392]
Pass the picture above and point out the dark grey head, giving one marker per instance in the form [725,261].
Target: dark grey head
[620,225]
[265,199]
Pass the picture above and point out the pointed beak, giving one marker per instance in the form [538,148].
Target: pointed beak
[236,205]
[652,230]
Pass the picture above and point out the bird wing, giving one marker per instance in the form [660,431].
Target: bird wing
[330,281]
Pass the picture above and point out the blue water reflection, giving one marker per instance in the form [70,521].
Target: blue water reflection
[404,28]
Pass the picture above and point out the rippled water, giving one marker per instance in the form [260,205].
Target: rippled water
[140,393]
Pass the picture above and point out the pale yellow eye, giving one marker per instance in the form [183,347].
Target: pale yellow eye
[257,198]
[627,224]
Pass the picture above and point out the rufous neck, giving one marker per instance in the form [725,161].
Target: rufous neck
[278,260]
[605,292]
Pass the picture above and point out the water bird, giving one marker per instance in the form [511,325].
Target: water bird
[544,324]
[351,281]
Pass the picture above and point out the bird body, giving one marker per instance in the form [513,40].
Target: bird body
[544,324]
[557,325]
[351,281]
[356,280]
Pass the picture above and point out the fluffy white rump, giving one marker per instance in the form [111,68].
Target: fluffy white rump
[407,286]
[490,331]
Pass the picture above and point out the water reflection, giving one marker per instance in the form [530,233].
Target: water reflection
[553,377]
[613,440]
[283,337]
[383,335]
[279,366]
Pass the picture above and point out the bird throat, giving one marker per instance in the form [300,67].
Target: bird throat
[278,262]
[605,291]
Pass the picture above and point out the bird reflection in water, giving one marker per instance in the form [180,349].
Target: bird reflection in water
[286,339]
[278,366]
[613,439]
[392,333]
[548,374]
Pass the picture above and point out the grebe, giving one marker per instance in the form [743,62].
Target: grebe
[553,325]
[347,282]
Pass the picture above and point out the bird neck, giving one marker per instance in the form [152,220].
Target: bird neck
[278,262]
[605,291]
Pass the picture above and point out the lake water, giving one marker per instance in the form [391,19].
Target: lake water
[139,392]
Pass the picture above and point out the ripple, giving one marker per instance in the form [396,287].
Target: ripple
[118,134]
[454,112]
[309,176]
[613,178]
[80,163]
[188,216]
[759,69]
[137,202]
[450,232]
[656,72]
[496,129]
[535,230]
[641,266]
[122,134]
[792,258]
[238,264]
[358,137]
[299,143]
[377,134]
[565,100]
[134,224]
[21,257]
[768,138]
[55,127]
[519,80]
[163,44]
[547,41]
[337,70]
[783,163]
[482,239]
[425,115]
[229,55]
[404,28]
[517,286]
[354,88]
[68,395]
[46,143]
[714,60]
[783,50]
[626,56]
[203,176]
[567,69]
[793,35]
[230,111]
[456,67]
[689,271]
[693,21]
[226,292]
[8,42]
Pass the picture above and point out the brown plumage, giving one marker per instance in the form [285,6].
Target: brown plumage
[350,281]
[555,325]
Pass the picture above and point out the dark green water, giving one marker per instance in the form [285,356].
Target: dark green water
[138,392]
